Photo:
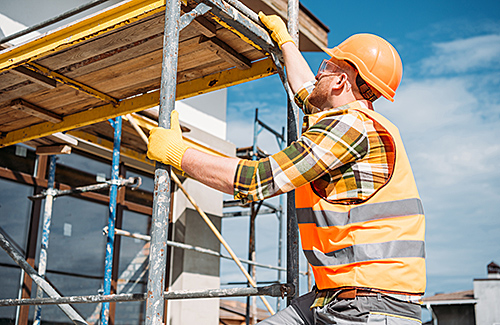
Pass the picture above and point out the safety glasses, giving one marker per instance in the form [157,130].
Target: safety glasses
[328,67]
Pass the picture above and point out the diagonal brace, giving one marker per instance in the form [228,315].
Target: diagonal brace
[188,17]
[41,282]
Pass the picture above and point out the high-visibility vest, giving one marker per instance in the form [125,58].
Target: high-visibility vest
[377,243]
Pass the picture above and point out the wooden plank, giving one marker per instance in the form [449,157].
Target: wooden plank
[80,31]
[213,82]
[61,99]
[238,44]
[36,111]
[107,59]
[61,95]
[8,79]
[53,150]
[146,80]
[201,71]
[108,80]
[71,82]
[117,80]
[137,33]
[22,90]
[64,100]
[204,26]
[16,124]
[69,98]
[225,52]
[9,114]
[35,77]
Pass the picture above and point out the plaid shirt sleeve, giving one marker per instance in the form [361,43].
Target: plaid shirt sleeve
[334,141]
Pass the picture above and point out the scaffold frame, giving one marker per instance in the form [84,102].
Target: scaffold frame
[234,16]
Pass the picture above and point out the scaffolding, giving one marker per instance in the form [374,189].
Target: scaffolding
[29,60]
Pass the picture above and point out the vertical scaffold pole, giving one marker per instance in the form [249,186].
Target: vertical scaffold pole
[251,312]
[113,192]
[47,217]
[293,131]
[280,223]
[161,202]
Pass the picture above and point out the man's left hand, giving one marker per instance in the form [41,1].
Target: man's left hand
[167,145]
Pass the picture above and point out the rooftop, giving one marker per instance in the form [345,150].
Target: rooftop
[459,297]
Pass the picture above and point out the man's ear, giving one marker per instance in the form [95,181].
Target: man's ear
[340,81]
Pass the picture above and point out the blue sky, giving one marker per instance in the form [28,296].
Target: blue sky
[447,109]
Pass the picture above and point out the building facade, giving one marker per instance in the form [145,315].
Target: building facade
[76,249]
[473,307]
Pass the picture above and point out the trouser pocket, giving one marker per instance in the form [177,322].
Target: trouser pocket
[386,319]
[327,316]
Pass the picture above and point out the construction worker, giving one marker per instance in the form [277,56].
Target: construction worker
[360,216]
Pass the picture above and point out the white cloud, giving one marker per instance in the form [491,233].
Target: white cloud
[450,127]
[445,134]
[464,55]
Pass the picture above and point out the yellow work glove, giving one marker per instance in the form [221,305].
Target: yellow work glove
[277,27]
[167,145]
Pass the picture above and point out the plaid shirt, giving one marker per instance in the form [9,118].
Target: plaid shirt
[341,154]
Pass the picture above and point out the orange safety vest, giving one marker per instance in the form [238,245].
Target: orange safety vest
[377,243]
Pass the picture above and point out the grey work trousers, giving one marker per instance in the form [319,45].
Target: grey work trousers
[360,310]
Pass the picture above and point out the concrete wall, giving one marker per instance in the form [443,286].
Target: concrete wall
[191,270]
[487,291]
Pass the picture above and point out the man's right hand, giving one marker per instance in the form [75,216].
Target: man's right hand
[277,27]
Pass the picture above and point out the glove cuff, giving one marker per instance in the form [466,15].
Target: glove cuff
[175,153]
[282,38]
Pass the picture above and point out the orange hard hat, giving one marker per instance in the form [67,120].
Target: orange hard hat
[377,61]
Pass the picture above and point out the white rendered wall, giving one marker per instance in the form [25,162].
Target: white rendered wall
[487,291]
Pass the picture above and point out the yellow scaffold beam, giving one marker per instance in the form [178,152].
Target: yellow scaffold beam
[80,31]
[188,89]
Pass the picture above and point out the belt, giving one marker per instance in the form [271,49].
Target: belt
[353,293]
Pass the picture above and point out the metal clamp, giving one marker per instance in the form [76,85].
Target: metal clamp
[50,191]
[133,182]
[287,289]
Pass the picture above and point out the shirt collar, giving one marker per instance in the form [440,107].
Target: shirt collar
[312,119]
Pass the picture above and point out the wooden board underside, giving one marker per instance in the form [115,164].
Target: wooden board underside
[122,63]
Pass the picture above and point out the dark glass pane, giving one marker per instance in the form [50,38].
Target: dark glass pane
[71,286]
[132,270]
[19,158]
[9,284]
[14,215]
[14,220]
[85,164]
[77,244]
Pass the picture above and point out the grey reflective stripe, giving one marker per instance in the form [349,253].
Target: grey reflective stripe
[361,213]
[367,252]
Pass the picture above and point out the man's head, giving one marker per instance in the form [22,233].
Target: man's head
[376,60]
[364,66]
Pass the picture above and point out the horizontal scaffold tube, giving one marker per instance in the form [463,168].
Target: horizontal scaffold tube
[275,290]
[121,232]
[131,181]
